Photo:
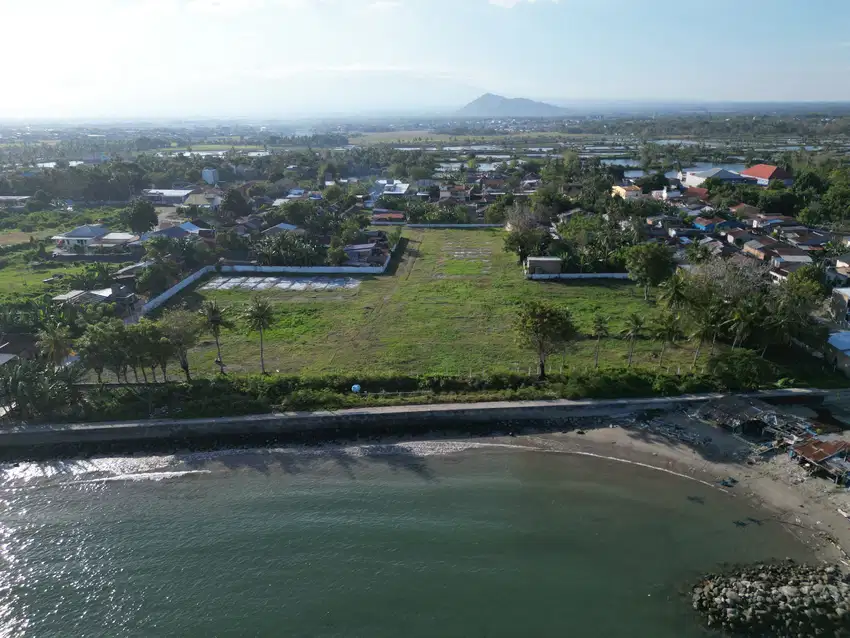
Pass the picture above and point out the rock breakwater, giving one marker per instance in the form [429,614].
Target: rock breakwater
[786,600]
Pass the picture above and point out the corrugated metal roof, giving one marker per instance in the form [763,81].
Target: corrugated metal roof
[817,451]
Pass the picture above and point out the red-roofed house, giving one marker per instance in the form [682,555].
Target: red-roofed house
[763,174]
[695,192]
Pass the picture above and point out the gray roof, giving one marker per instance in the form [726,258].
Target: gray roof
[169,192]
[718,173]
[88,231]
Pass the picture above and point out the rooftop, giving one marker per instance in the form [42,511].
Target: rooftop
[169,192]
[766,171]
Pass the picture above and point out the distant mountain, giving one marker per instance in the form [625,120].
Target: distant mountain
[489,105]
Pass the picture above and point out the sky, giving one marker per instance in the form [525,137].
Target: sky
[296,58]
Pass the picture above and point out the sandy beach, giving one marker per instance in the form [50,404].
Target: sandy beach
[674,442]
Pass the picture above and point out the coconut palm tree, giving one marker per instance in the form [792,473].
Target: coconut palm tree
[634,326]
[599,332]
[667,331]
[674,292]
[742,320]
[259,316]
[54,343]
[214,319]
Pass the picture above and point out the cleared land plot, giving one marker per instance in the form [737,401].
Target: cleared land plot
[20,237]
[448,308]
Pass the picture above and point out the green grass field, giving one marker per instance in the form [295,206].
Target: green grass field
[19,278]
[448,308]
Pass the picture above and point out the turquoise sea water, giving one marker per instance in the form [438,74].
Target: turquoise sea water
[418,540]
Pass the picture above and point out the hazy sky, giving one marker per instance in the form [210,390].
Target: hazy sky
[71,58]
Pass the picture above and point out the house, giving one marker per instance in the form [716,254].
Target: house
[283,227]
[773,221]
[626,192]
[781,273]
[207,201]
[543,265]
[362,254]
[719,174]
[763,174]
[13,201]
[696,193]
[294,194]
[168,196]
[760,248]
[806,239]
[393,188]
[837,351]
[709,224]
[81,238]
[18,346]
[666,195]
[783,254]
[387,217]
[739,237]
[248,225]
[118,294]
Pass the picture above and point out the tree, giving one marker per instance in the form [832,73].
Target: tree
[92,350]
[707,321]
[54,343]
[140,216]
[653,182]
[599,332]
[527,242]
[214,320]
[234,205]
[667,331]
[649,265]
[633,329]
[333,193]
[181,328]
[259,316]
[674,292]
[545,329]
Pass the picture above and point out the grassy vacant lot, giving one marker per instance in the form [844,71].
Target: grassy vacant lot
[20,237]
[20,278]
[448,308]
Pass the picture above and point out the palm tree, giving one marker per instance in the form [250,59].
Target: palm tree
[742,320]
[674,292]
[599,332]
[259,316]
[667,331]
[634,326]
[214,320]
[54,343]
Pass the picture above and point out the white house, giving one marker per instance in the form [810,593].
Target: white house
[81,238]
[168,196]
[696,179]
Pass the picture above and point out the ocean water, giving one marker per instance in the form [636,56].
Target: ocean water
[423,539]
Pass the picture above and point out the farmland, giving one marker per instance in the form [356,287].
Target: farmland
[447,308]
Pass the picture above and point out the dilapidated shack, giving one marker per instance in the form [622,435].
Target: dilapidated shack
[757,419]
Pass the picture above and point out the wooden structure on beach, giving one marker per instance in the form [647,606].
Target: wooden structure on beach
[831,457]
[751,417]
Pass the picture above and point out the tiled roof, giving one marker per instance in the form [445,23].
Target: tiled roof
[766,171]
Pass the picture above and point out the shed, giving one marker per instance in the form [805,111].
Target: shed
[543,265]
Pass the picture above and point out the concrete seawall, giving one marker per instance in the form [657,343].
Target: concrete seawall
[17,441]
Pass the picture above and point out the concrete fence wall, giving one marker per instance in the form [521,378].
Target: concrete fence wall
[447,226]
[157,301]
[589,275]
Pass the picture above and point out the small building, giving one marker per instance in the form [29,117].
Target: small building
[696,193]
[784,254]
[118,294]
[397,189]
[13,201]
[210,175]
[763,174]
[828,456]
[626,192]
[365,254]
[206,201]
[283,227]
[667,195]
[543,265]
[168,196]
[739,236]
[709,224]
[760,248]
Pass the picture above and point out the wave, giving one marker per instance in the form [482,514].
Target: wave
[145,476]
